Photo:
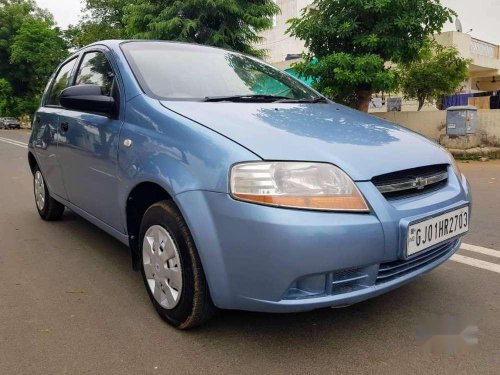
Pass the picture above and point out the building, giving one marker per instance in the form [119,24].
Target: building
[485,68]
[278,44]
[484,71]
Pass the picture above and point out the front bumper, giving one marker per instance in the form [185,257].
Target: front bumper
[268,259]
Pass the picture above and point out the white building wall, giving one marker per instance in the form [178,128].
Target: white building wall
[276,41]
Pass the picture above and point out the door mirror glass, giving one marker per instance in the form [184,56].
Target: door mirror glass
[87,98]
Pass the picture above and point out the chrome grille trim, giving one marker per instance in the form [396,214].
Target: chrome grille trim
[417,183]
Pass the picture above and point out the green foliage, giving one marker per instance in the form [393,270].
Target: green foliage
[88,32]
[438,71]
[231,24]
[37,49]
[103,19]
[343,77]
[5,96]
[13,14]
[30,49]
[355,39]
[106,11]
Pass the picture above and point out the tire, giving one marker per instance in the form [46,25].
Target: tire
[48,208]
[182,296]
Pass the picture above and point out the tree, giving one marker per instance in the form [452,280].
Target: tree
[109,11]
[13,14]
[31,47]
[37,49]
[439,71]
[102,19]
[5,96]
[232,24]
[353,42]
[88,32]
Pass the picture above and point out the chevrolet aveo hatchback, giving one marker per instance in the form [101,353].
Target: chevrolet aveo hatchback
[235,185]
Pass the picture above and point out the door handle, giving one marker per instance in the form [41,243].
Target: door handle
[64,126]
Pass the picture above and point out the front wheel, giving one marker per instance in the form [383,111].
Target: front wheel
[48,208]
[171,268]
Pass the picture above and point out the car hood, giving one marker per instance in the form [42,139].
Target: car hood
[362,145]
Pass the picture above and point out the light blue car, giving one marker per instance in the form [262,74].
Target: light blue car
[235,185]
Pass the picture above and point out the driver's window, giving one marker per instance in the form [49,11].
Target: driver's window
[60,82]
[95,69]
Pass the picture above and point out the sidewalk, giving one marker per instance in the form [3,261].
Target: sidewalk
[477,153]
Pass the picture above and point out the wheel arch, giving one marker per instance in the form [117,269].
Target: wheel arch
[32,162]
[139,199]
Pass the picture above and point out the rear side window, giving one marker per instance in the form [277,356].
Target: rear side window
[61,81]
[95,69]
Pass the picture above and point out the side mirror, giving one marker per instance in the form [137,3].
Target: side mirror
[87,98]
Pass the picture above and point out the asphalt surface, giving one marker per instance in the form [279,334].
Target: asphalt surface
[70,304]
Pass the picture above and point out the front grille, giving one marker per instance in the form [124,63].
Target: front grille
[346,281]
[392,270]
[410,182]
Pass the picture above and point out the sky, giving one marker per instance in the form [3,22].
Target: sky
[66,12]
[479,15]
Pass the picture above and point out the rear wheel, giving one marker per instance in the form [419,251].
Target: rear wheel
[171,268]
[48,208]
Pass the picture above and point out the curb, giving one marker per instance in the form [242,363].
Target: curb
[476,153]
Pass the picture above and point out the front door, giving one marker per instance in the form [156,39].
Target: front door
[88,146]
[45,136]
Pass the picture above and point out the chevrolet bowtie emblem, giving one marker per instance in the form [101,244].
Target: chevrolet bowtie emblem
[420,183]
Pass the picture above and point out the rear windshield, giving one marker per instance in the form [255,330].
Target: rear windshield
[186,72]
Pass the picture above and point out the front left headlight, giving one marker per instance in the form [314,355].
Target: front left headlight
[304,185]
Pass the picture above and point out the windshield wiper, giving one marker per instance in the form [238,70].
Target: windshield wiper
[318,99]
[245,98]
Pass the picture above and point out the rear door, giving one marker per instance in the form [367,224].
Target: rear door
[88,144]
[45,132]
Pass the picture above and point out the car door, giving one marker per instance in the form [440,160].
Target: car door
[88,144]
[45,131]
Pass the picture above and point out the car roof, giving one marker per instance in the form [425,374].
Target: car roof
[116,43]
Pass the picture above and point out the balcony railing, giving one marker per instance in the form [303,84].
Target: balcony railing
[479,47]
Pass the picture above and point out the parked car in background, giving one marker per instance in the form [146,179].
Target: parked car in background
[235,185]
[10,123]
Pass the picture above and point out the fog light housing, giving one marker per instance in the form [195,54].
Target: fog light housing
[307,287]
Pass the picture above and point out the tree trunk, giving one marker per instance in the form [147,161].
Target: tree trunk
[421,102]
[364,97]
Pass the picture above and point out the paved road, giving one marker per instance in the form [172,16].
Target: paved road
[70,303]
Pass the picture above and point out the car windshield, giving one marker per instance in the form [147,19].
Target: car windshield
[188,72]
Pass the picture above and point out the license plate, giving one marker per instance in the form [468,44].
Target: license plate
[430,232]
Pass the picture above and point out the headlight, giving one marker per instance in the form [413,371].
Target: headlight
[312,186]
